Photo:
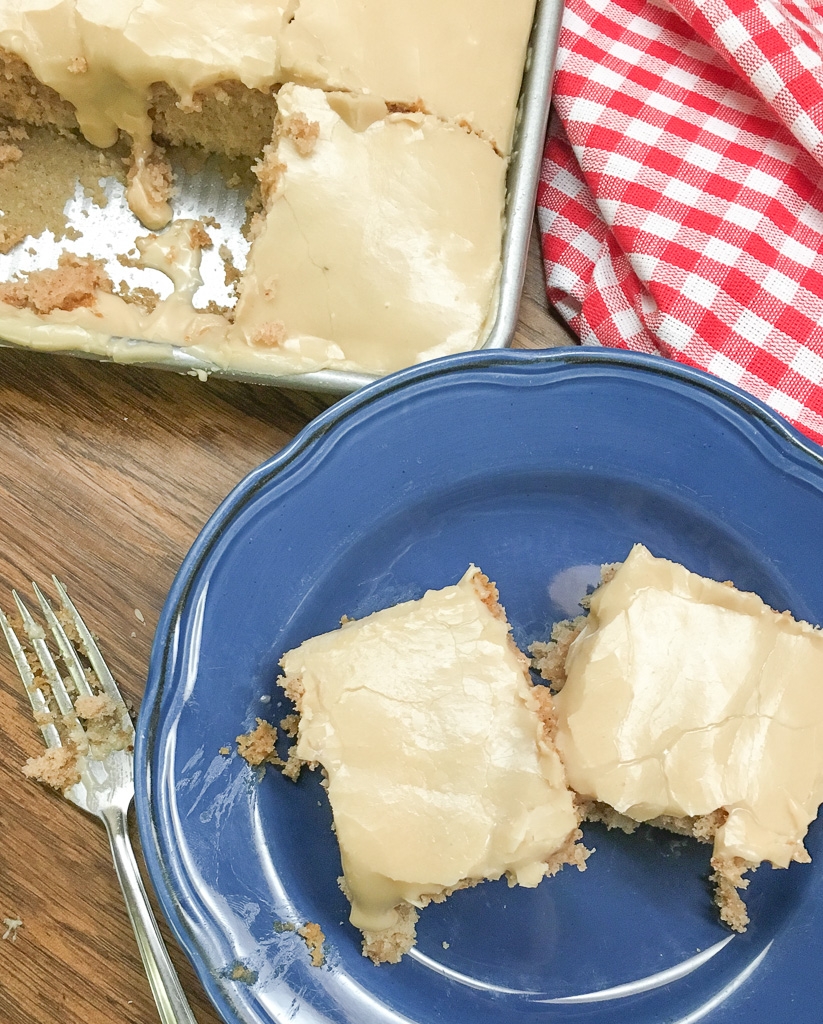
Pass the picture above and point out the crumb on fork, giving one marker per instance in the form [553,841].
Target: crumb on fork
[95,706]
[56,767]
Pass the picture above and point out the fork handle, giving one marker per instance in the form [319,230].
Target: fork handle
[172,1004]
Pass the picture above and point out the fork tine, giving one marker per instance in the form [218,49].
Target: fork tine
[39,704]
[92,651]
[67,650]
[35,635]
[98,775]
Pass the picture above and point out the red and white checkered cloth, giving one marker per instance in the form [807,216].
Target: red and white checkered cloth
[681,200]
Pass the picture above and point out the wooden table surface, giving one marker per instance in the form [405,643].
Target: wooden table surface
[107,473]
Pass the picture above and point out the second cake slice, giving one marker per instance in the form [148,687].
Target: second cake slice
[693,706]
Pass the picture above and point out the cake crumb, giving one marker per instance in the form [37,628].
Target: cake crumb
[106,728]
[269,335]
[74,283]
[78,66]
[283,926]
[139,615]
[232,274]
[314,938]
[243,974]
[146,298]
[549,659]
[293,766]
[269,172]
[389,945]
[302,132]
[95,706]
[225,751]
[10,154]
[258,745]
[199,238]
[290,725]
[727,879]
[56,767]
[13,924]
[417,107]
[256,223]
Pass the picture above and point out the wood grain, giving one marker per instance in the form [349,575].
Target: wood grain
[107,474]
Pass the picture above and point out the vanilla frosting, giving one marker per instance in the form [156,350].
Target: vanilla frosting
[684,696]
[439,767]
[463,59]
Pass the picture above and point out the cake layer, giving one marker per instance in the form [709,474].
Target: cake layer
[440,767]
[227,117]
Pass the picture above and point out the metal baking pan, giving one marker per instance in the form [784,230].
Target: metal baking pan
[203,195]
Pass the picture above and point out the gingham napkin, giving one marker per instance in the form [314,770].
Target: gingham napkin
[681,200]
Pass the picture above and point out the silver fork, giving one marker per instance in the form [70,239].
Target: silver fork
[105,764]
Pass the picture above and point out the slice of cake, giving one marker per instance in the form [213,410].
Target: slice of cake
[691,705]
[437,753]
[381,244]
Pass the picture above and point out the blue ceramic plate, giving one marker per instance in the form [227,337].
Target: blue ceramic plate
[538,467]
